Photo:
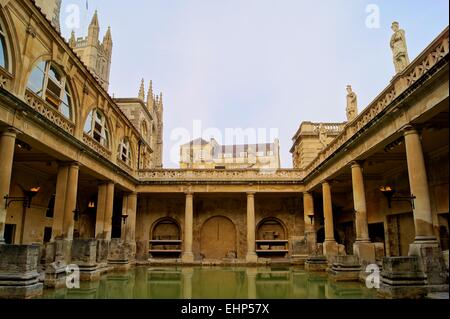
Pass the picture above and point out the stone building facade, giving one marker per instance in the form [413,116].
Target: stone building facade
[76,190]
[201,154]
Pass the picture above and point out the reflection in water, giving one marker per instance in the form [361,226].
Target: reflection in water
[214,283]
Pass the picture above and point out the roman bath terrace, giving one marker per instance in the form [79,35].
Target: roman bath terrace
[82,186]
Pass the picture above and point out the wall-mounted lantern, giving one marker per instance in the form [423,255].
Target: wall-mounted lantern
[29,195]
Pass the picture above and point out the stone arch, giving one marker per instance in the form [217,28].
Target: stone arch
[111,132]
[11,39]
[271,228]
[165,228]
[218,238]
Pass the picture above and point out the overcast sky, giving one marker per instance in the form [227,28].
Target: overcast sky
[256,63]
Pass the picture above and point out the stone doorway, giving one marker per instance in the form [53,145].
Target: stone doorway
[218,238]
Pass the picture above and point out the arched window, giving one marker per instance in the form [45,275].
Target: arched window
[52,85]
[125,151]
[3,48]
[97,128]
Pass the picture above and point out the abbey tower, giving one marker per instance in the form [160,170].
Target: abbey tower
[95,54]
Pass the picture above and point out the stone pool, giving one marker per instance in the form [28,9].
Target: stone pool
[214,283]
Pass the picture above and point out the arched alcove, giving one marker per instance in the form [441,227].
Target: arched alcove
[218,238]
[271,229]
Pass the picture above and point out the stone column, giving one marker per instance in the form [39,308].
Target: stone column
[188,256]
[308,212]
[105,201]
[359,203]
[7,144]
[362,247]
[71,201]
[330,247]
[109,205]
[418,183]
[129,207]
[251,232]
[60,200]
[100,214]
[425,244]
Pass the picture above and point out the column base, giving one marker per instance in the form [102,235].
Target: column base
[431,260]
[345,268]
[19,278]
[402,278]
[330,250]
[119,255]
[251,258]
[365,252]
[187,258]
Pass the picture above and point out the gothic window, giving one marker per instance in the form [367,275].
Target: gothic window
[3,49]
[125,151]
[97,128]
[52,85]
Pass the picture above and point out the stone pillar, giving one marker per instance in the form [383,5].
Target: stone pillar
[310,231]
[362,247]
[105,201]
[188,256]
[7,144]
[129,207]
[60,200]
[418,183]
[71,201]
[251,232]
[425,244]
[330,247]
[107,228]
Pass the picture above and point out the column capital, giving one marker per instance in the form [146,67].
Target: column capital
[357,164]
[409,129]
[189,193]
[325,182]
[10,131]
[69,164]
[105,183]
[251,194]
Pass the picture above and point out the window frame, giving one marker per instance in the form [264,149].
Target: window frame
[47,94]
[125,145]
[104,132]
[4,43]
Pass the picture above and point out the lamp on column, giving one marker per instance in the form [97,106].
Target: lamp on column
[390,193]
[311,217]
[124,218]
[29,195]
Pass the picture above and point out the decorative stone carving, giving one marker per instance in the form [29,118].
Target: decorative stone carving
[399,48]
[48,112]
[352,104]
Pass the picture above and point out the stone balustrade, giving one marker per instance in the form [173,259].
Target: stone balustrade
[96,146]
[423,63]
[186,175]
[53,115]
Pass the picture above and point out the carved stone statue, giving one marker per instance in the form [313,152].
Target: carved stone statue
[352,104]
[399,48]
[323,134]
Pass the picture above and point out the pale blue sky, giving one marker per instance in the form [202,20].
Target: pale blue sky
[256,63]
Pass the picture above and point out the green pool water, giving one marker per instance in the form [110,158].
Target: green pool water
[214,283]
